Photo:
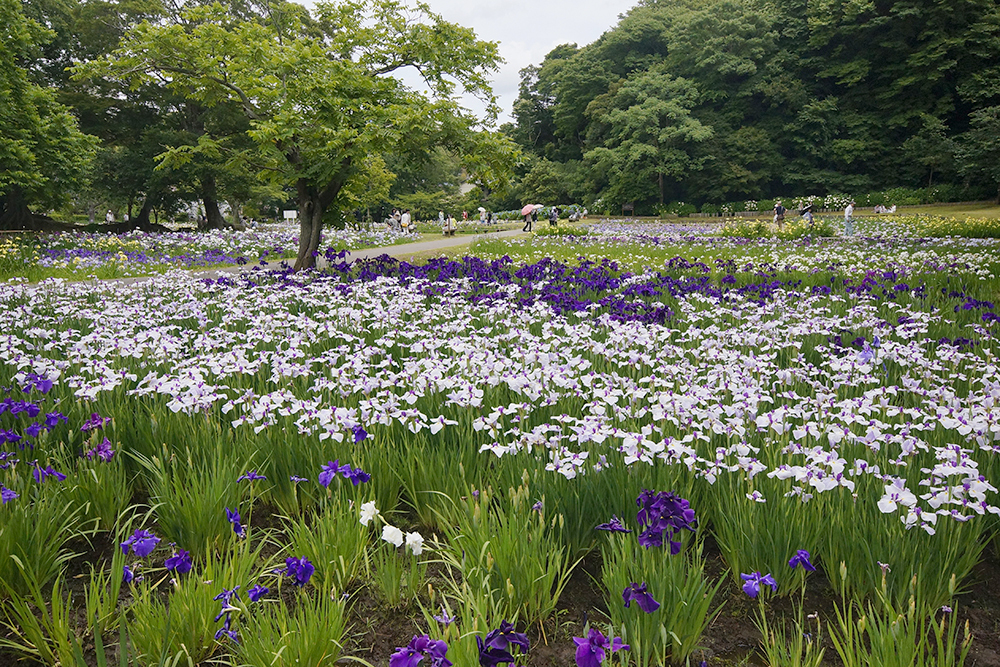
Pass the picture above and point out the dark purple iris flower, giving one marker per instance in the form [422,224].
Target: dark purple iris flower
[257,592]
[226,597]
[591,650]
[180,562]
[506,636]
[801,557]
[251,476]
[40,474]
[295,478]
[234,518]
[300,569]
[95,422]
[6,495]
[491,657]
[359,434]
[419,647]
[328,472]
[614,526]
[142,543]
[102,451]
[637,593]
[356,475]
[662,516]
[127,575]
[753,582]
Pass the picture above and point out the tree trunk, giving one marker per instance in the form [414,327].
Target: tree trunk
[142,220]
[310,227]
[209,196]
[313,202]
[14,211]
[661,188]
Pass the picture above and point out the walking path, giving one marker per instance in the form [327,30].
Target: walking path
[403,251]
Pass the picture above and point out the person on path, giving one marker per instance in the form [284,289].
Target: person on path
[482,216]
[553,217]
[527,221]
[849,219]
[109,217]
[779,213]
[807,215]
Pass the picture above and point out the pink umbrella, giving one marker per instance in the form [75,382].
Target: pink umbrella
[528,210]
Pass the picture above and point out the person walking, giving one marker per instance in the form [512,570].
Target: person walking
[109,217]
[779,213]
[527,221]
[849,219]
[807,215]
[553,217]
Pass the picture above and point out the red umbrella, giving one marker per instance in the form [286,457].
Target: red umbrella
[528,210]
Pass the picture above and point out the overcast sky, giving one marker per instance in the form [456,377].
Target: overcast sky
[528,29]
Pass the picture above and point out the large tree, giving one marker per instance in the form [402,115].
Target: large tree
[320,98]
[43,155]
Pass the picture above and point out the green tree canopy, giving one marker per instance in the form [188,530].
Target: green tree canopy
[43,154]
[319,95]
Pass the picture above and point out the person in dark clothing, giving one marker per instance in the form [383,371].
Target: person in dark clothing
[553,217]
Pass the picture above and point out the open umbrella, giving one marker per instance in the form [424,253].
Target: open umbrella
[539,205]
[482,210]
[528,209]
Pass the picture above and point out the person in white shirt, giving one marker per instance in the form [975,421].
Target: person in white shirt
[849,219]
[404,220]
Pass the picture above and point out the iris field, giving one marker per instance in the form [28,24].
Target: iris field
[587,448]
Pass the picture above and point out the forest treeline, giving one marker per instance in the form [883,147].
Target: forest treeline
[720,100]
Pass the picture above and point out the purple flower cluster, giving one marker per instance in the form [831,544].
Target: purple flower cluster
[96,422]
[663,515]
[637,593]
[592,649]
[234,518]
[102,451]
[420,647]
[495,648]
[332,468]
[299,569]
[142,543]
[226,598]
[179,562]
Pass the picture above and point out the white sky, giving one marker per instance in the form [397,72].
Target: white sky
[526,30]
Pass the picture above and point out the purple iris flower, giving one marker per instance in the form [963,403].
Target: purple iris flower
[180,562]
[801,557]
[41,473]
[295,478]
[590,650]
[250,476]
[866,354]
[444,618]
[419,647]
[299,569]
[491,657]
[614,526]
[359,434]
[663,515]
[356,475]
[38,382]
[506,636]
[234,518]
[142,543]
[257,592]
[6,458]
[226,597]
[6,495]
[127,575]
[753,582]
[52,419]
[33,430]
[96,421]
[328,472]
[102,451]
[637,593]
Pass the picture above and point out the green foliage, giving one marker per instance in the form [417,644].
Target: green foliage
[313,634]
[43,154]
[34,531]
[672,633]
[334,541]
[38,627]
